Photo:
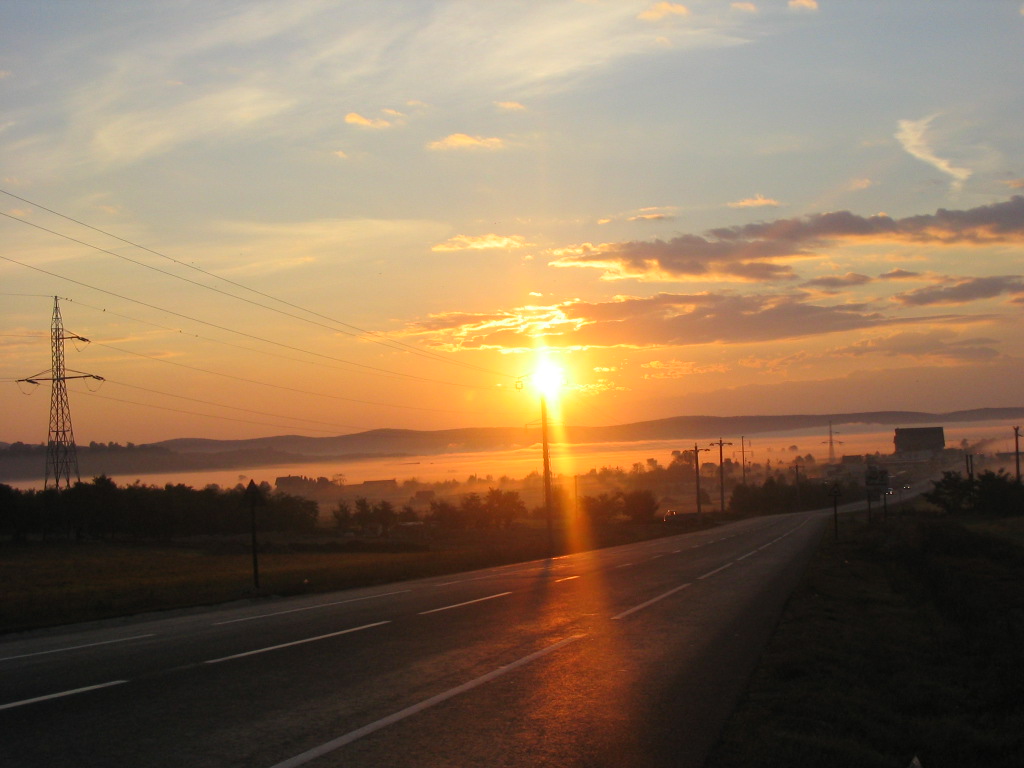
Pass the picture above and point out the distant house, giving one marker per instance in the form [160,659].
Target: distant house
[920,440]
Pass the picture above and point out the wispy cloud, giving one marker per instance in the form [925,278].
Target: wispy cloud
[913,137]
[939,345]
[757,201]
[745,7]
[482,243]
[354,118]
[803,5]
[663,10]
[509,106]
[463,141]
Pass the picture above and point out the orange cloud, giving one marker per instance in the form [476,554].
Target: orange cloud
[482,243]
[663,10]
[458,141]
[757,201]
[354,118]
[663,320]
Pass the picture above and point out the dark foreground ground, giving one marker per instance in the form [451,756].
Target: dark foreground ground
[904,640]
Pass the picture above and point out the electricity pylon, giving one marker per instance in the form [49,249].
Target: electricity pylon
[831,443]
[61,456]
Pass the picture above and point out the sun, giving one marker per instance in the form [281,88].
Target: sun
[548,379]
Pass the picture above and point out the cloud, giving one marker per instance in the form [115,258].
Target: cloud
[757,201]
[803,5]
[987,224]
[848,280]
[340,153]
[354,118]
[649,217]
[899,274]
[686,256]
[678,369]
[856,185]
[912,136]
[134,135]
[1014,183]
[482,243]
[759,251]
[963,291]
[745,7]
[662,320]
[509,106]
[939,345]
[459,141]
[663,10]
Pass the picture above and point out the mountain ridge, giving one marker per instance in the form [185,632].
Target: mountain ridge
[467,439]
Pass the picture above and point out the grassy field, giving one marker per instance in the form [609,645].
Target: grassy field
[904,640]
[63,582]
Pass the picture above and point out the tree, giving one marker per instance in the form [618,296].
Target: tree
[600,509]
[384,516]
[342,514]
[503,507]
[639,506]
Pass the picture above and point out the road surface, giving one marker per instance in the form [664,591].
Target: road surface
[630,656]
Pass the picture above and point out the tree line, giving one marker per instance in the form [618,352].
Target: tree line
[101,509]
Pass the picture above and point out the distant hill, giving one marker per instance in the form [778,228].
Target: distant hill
[191,454]
[416,442]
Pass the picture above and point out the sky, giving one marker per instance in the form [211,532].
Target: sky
[326,217]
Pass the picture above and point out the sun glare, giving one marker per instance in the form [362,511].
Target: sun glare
[549,379]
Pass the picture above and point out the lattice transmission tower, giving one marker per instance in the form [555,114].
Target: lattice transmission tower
[61,456]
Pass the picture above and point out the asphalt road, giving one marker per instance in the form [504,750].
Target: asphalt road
[631,656]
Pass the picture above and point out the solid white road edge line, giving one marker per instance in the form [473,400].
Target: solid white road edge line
[348,738]
[468,602]
[295,642]
[22,703]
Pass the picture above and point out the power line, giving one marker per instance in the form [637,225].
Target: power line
[268,384]
[225,328]
[194,413]
[230,407]
[376,337]
[374,371]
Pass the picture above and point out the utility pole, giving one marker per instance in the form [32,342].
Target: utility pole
[61,456]
[743,460]
[1016,450]
[796,469]
[721,473]
[696,467]
[548,511]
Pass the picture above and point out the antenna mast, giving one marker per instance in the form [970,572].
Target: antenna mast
[61,456]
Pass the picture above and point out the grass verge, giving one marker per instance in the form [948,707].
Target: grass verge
[904,640]
[63,582]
